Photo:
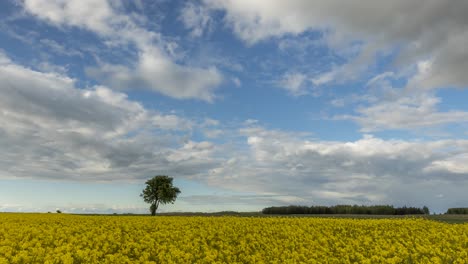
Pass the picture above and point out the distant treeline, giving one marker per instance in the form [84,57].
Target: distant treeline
[346,209]
[457,210]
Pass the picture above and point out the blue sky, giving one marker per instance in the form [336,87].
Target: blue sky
[247,104]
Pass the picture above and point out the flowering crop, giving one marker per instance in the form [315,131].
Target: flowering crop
[60,238]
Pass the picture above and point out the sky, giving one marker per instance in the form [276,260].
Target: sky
[245,103]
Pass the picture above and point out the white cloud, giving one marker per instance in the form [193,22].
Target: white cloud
[154,68]
[412,107]
[369,170]
[193,150]
[89,14]
[457,164]
[294,83]
[406,113]
[159,73]
[50,129]
[49,67]
[324,78]
[249,122]
[380,78]
[212,133]
[421,29]
[209,122]
[338,102]
[57,48]
[3,58]
[237,82]
[172,122]
[196,18]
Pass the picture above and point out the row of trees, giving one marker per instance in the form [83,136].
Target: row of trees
[457,210]
[346,209]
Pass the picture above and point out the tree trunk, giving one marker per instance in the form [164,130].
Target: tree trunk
[153,208]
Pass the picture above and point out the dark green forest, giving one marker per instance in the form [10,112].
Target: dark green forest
[346,209]
[461,210]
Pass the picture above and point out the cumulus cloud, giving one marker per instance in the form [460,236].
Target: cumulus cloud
[369,170]
[50,129]
[154,67]
[420,29]
[166,77]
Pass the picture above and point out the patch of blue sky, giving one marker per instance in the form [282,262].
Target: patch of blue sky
[35,44]
[453,99]
[457,130]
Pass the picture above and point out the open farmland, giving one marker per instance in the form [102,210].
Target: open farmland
[61,238]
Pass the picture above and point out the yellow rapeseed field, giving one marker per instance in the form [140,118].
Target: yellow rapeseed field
[61,238]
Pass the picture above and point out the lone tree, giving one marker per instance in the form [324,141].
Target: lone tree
[158,190]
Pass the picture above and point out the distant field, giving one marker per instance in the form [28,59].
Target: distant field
[443,217]
[454,219]
[63,238]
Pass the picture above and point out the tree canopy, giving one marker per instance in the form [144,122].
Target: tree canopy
[159,190]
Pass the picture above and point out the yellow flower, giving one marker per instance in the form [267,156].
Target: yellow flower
[46,238]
